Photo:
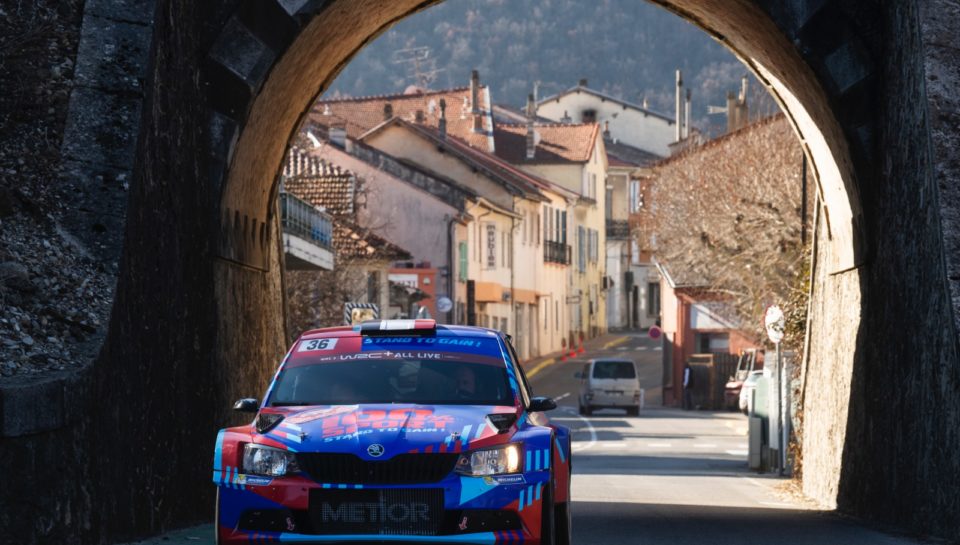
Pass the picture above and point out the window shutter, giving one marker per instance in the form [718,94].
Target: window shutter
[463,262]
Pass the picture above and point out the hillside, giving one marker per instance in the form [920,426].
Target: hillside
[627,48]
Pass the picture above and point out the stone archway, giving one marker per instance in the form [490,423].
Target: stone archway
[199,297]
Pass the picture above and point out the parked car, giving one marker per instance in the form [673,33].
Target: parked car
[609,383]
[395,431]
[749,384]
[746,364]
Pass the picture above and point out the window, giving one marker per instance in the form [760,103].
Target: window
[581,249]
[373,287]
[503,325]
[588,116]
[463,261]
[653,299]
[556,314]
[496,322]
[491,246]
[536,226]
[608,204]
[503,250]
[636,200]
[614,369]
[563,227]
[593,187]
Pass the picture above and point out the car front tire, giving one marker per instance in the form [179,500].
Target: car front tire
[216,519]
[548,526]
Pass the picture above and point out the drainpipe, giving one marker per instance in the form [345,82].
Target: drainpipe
[679,107]
[451,281]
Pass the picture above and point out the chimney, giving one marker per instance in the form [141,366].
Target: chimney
[679,109]
[686,117]
[442,124]
[582,82]
[418,116]
[475,101]
[606,130]
[646,104]
[531,136]
[731,111]
[566,119]
[387,111]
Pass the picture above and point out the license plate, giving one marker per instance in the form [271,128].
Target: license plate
[615,392]
[382,512]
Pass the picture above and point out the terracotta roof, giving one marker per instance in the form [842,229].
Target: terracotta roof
[320,183]
[360,114]
[354,242]
[558,142]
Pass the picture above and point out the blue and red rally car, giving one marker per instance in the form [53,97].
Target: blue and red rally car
[395,431]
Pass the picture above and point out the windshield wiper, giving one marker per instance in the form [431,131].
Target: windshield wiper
[290,404]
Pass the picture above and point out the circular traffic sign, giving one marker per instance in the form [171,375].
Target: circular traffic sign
[444,304]
[654,332]
[774,321]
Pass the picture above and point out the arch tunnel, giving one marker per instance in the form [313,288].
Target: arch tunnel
[198,312]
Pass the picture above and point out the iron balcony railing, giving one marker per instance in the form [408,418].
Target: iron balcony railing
[305,221]
[557,252]
[618,229]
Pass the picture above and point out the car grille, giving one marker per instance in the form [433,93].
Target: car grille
[400,512]
[401,469]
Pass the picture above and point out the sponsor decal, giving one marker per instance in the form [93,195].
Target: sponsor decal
[375,512]
[504,479]
[317,344]
[352,424]
[463,524]
[253,480]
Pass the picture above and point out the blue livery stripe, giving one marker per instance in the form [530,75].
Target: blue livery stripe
[529,495]
[480,428]
[536,460]
[521,500]
[563,458]
[546,459]
[528,465]
[483,538]
[218,451]
[539,486]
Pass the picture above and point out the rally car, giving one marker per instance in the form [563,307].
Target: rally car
[395,431]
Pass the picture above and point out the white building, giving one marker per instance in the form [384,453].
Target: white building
[628,123]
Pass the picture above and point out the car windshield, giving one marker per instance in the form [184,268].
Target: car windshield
[421,381]
[753,377]
[614,369]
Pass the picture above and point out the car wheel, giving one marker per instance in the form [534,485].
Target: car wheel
[633,411]
[548,526]
[586,410]
[563,518]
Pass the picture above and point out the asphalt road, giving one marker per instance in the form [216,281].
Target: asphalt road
[669,477]
[677,477]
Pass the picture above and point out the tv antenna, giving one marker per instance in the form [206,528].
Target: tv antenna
[422,67]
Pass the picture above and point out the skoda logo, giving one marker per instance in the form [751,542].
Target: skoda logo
[375,450]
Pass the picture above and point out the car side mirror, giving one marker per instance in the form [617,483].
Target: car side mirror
[578,374]
[541,404]
[247,405]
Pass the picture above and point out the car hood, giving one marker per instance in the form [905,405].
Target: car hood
[395,428]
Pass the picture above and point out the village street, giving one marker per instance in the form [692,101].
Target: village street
[669,477]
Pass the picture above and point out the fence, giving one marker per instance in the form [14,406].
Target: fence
[556,252]
[710,373]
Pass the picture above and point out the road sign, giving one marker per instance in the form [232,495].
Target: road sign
[655,332]
[774,321]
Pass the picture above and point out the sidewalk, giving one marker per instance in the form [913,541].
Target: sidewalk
[533,366]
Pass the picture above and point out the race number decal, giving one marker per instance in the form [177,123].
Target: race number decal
[317,344]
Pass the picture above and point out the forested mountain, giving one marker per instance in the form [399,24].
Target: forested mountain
[627,48]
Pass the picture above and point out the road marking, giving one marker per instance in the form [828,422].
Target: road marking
[624,348]
[658,348]
[659,445]
[593,434]
[541,366]
[705,445]
[737,452]
[615,342]
[562,396]
[612,444]
[641,348]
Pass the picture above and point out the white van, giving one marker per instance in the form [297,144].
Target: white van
[609,383]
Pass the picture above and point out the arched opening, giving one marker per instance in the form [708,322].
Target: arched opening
[325,44]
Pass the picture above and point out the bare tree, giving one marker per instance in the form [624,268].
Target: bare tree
[727,216]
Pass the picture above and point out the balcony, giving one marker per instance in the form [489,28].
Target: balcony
[618,229]
[557,252]
[307,235]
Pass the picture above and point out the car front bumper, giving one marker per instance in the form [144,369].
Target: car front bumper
[457,509]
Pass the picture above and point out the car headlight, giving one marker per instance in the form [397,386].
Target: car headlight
[264,460]
[494,461]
